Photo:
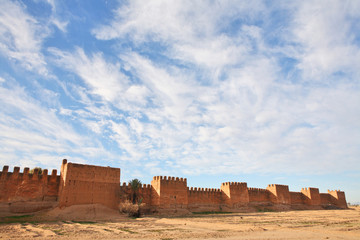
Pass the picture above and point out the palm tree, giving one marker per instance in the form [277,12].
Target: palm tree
[135,186]
[39,170]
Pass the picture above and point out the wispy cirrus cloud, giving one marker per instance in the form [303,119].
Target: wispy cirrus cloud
[246,112]
[21,37]
[327,37]
[30,130]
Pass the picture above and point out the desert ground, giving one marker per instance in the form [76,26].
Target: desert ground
[91,222]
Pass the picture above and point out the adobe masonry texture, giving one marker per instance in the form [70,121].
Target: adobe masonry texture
[86,184]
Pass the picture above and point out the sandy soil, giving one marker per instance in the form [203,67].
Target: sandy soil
[315,224]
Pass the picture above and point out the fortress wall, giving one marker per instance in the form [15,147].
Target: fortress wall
[297,198]
[155,192]
[279,193]
[16,186]
[259,195]
[235,194]
[204,199]
[169,192]
[144,193]
[204,196]
[312,196]
[338,198]
[325,199]
[86,184]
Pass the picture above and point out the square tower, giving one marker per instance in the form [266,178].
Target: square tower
[235,193]
[87,184]
[169,192]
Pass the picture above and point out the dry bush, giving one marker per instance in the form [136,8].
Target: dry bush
[133,210]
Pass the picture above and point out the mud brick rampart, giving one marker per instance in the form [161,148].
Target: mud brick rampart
[87,184]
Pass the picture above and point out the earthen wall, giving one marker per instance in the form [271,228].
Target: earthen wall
[16,186]
[169,192]
[312,196]
[297,198]
[143,193]
[279,193]
[338,198]
[325,199]
[235,194]
[204,196]
[259,195]
[86,184]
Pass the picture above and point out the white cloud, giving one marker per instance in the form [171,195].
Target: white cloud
[21,37]
[327,32]
[251,119]
[62,25]
[103,78]
[215,101]
[28,129]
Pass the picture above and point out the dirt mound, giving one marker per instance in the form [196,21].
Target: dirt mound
[86,212]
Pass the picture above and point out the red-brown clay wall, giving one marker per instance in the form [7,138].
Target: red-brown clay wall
[338,198]
[204,196]
[235,194]
[297,198]
[144,193]
[86,184]
[325,199]
[169,192]
[279,193]
[155,191]
[312,196]
[16,186]
[259,195]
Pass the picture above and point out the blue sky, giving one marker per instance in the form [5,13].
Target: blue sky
[253,91]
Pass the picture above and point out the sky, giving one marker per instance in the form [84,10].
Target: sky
[263,92]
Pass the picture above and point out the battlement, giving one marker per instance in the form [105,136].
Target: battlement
[142,186]
[234,184]
[308,189]
[193,190]
[258,189]
[26,175]
[278,185]
[25,186]
[169,178]
[335,191]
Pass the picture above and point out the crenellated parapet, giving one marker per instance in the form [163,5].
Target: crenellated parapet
[170,180]
[235,184]
[5,175]
[194,190]
[23,186]
[142,186]
[262,190]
